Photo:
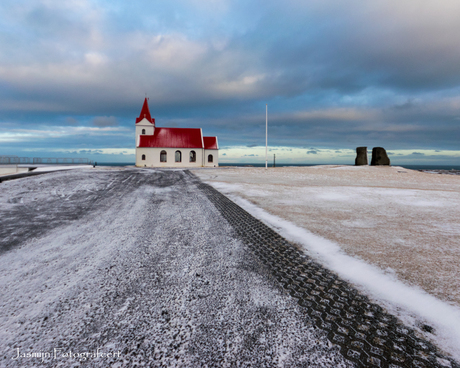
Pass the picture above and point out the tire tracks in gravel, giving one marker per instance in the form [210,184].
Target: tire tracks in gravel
[179,290]
[33,219]
[366,334]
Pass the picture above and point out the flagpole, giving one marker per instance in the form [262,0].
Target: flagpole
[266,135]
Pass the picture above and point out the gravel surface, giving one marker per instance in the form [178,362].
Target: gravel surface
[141,265]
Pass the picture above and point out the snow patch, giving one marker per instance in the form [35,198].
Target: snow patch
[61,167]
[411,304]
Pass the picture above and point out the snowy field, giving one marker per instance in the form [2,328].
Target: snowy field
[140,265]
[393,232]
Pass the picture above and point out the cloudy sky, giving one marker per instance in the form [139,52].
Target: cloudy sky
[335,75]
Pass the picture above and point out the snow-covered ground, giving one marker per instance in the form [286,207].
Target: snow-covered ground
[11,169]
[7,170]
[60,167]
[138,264]
[393,232]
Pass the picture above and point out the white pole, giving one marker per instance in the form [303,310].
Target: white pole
[266,135]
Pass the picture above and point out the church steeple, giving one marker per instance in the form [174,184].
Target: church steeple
[145,113]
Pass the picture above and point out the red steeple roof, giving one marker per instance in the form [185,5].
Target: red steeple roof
[145,113]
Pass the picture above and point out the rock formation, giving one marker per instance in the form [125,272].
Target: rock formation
[361,156]
[379,156]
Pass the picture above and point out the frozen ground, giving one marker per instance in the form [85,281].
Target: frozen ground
[11,169]
[402,223]
[61,167]
[138,262]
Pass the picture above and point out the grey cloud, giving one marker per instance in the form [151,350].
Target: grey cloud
[105,121]
[362,50]
[341,55]
[404,106]
[71,121]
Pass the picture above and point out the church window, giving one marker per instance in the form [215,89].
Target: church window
[178,156]
[163,156]
[143,131]
[192,156]
[143,157]
[210,158]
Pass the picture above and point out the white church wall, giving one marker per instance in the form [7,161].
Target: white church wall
[215,158]
[152,157]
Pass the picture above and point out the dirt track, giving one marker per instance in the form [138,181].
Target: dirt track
[140,262]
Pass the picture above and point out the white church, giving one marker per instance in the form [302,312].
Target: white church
[172,147]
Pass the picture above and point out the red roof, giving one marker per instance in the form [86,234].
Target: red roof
[145,113]
[173,138]
[210,142]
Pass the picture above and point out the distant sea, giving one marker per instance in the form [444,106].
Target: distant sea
[412,167]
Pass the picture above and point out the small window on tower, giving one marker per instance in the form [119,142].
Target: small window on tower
[143,157]
[143,131]
[210,158]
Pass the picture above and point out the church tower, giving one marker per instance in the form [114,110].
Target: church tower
[145,124]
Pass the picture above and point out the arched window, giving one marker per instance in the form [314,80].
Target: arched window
[178,156]
[192,156]
[143,131]
[143,157]
[163,156]
[209,158]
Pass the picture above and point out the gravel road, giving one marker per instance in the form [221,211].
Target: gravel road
[140,267]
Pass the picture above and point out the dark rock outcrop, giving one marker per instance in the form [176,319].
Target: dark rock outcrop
[361,156]
[379,156]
